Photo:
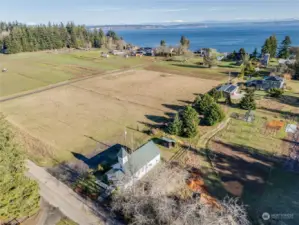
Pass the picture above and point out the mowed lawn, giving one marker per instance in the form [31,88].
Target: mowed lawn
[80,116]
[193,68]
[27,71]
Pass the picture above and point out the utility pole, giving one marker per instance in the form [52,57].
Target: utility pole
[125,137]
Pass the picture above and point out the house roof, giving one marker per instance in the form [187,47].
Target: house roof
[229,88]
[136,160]
[122,153]
[274,78]
[168,139]
[141,157]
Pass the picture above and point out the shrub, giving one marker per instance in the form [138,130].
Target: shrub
[275,92]
[175,128]
[214,115]
[203,103]
[190,122]
[216,94]
[248,101]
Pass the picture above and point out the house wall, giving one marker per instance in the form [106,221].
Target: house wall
[144,170]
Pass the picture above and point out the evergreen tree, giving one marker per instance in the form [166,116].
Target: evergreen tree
[273,44]
[248,101]
[185,42]
[16,37]
[233,56]
[242,53]
[190,122]
[113,35]
[254,54]
[203,103]
[284,50]
[162,43]
[266,48]
[214,114]
[175,128]
[216,94]
[19,195]
[270,46]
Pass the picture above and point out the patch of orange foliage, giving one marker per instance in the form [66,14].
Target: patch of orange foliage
[275,124]
[196,184]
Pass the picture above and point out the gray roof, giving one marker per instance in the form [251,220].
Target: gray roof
[227,88]
[274,78]
[168,139]
[141,157]
[122,153]
[136,160]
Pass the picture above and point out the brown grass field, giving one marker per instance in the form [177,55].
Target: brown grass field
[79,116]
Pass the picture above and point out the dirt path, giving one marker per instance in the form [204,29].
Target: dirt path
[204,140]
[64,83]
[66,200]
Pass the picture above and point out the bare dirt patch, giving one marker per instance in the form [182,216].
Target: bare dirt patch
[238,169]
[77,117]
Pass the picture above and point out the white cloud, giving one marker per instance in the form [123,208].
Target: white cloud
[220,8]
[175,21]
[164,10]
[101,9]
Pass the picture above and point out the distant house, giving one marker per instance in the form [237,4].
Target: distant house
[229,89]
[265,59]
[128,168]
[273,82]
[267,83]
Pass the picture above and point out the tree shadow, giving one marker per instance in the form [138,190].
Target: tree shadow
[174,107]
[228,66]
[157,119]
[100,142]
[191,66]
[232,74]
[186,102]
[285,114]
[288,100]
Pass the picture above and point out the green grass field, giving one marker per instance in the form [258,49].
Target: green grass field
[280,196]
[253,135]
[192,67]
[27,71]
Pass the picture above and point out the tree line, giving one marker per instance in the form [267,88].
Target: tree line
[17,37]
[19,195]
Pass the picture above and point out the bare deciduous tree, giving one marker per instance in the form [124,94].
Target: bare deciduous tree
[156,200]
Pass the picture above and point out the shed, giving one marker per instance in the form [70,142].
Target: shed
[168,142]
[249,116]
[291,128]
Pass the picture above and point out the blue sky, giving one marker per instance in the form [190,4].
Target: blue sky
[145,11]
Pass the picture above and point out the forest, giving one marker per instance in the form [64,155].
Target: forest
[17,37]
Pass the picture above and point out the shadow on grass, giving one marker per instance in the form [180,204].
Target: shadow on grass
[285,114]
[191,66]
[173,107]
[247,172]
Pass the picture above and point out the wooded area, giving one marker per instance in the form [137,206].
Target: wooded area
[16,37]
[19,195]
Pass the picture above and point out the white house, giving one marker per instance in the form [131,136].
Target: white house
[132,167]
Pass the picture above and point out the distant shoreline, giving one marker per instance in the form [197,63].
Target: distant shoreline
[190,25]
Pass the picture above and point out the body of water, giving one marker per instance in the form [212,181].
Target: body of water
[225,38]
